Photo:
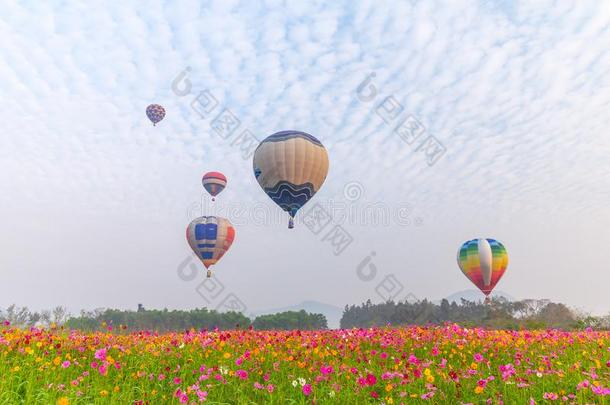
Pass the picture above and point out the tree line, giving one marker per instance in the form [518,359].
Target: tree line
[498,314]
[160,320]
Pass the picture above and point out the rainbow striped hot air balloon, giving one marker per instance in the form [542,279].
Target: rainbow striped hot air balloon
[210,238]
[214,183]
[290,167]
[483,261]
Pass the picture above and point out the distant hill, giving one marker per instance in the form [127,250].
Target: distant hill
[332,313]
[476,295]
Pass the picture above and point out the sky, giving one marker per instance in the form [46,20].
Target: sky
[444,121]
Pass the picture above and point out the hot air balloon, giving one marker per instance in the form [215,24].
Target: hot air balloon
[214,183]
[155,113]
[290,166]
[210,238]
[483,261]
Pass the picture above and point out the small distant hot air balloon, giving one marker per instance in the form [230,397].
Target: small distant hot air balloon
[214,183]
[290,166]
[155,113]
[483,261]
[210,238]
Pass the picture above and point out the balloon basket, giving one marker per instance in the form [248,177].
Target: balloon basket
[209,273]
[290,223]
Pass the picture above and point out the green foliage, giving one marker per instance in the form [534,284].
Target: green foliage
[164,320]
[290,320]
[498,314]
[159,320]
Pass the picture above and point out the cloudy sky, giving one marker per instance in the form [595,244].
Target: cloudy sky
[512,98]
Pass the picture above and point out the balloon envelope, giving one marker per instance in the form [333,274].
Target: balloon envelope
[214,182]
[210,238]
[290,166]
[483,261]
[155,113]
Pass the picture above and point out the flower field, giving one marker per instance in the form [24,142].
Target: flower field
[445,364]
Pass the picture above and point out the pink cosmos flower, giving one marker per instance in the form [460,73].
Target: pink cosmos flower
[270,388]
[65,364]
[242,374]
[600,390]
[202,395]
[177,380]
[550,395]
[101,354]
[371,379]
[478,357]
[325,370]
[307,389]
[103,369]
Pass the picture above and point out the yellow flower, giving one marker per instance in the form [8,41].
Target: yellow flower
[389,400]
[226,355]
[16,368]
[63,401]
[104,393]
[388,387]
[427,372]
[117,388]
[430,379]
[478,389]
[474,365]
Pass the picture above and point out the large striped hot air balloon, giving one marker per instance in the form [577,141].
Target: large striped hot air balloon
[483,261]
[155,113]
[210,238]
[290,166]
[214,183]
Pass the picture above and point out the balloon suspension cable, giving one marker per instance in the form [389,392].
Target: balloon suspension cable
[290,223]
[209,273]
